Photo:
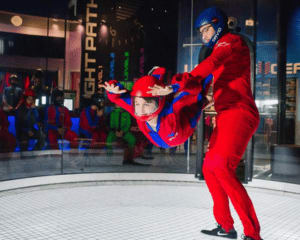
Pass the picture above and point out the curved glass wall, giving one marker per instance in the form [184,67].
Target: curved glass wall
[74,56]
[112,41]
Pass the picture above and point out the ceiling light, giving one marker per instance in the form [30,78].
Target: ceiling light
[16,21]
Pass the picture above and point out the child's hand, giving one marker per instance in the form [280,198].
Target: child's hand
[112,88]
[157,90]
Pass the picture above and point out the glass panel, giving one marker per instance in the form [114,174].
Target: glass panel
[118,41]
[121,44]
[266,90]
[285,157]
[273,161]
[24,44]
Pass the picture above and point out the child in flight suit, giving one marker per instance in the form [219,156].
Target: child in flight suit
[167,115]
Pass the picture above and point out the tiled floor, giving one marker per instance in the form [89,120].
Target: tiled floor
[134,211]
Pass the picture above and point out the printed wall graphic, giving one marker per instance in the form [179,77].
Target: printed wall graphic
[89,48]
[111,48]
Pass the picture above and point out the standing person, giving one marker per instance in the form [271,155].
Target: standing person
[92,123]
[236,121]
[27,122]
[58,122]
[12,94]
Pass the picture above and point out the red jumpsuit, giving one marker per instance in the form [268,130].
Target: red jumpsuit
[7,140]
[237,120]
[178,119]
[59,117]
[93,127]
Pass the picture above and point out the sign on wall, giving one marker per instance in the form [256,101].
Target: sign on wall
[111,49]
[89,49]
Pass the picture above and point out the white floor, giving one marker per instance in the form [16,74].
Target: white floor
[134,211]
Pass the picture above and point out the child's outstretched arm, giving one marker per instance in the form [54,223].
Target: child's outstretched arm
[117,94]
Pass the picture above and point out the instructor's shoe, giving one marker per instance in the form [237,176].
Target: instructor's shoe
[248,238]
[220,232]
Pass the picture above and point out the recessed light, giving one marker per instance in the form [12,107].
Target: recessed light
[16,20]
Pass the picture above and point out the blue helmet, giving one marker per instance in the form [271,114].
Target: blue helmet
[217,19]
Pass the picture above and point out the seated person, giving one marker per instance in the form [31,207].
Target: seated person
[12,94]
[27,122]
[92,123]
[7,140]
[58,122]
[120,124]
[167,121]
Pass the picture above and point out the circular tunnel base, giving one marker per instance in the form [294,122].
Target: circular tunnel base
[129,210]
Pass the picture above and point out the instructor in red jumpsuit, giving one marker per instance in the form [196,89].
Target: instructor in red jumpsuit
[237,120]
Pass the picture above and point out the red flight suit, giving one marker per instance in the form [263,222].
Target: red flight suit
[237,120]
[180,114]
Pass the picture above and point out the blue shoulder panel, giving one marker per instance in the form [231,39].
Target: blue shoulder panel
[156,138]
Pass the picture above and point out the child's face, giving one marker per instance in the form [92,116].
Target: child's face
[144,106]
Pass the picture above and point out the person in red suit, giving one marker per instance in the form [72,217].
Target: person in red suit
[167,115]
[236,121]
[7,140]
[92,122]
[58,122]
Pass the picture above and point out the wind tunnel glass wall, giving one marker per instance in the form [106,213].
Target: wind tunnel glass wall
[63,62]
[32,52]
[75,56]
[272,160]
[276,149]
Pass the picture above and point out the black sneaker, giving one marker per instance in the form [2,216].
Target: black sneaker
[248,238]
[220,232]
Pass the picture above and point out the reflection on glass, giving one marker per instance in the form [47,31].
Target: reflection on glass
[112,138]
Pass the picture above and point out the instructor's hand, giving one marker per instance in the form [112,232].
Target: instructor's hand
[112,88]
[157,90]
